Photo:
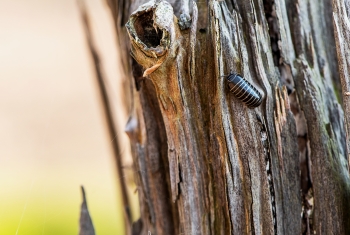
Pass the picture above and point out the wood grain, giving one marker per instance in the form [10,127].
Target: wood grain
[281,168]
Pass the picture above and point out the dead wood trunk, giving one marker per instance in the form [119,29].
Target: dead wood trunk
[208,164]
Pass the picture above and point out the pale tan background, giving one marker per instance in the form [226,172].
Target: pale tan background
[52,132]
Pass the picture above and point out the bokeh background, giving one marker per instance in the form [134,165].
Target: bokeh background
[53,137]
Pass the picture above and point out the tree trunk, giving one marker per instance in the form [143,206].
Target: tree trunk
[208,164]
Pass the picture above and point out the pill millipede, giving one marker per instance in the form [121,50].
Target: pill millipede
[243,90]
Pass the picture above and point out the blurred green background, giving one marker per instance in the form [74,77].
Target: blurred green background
[52,133]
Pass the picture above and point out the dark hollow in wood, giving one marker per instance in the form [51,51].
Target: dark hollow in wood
[146,31]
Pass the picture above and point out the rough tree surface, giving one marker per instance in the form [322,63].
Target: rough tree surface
[206,163]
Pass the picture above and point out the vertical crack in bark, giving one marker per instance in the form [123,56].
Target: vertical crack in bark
[275,38]
[268,164]
[137,73]
[286,78]
[305,165]
[307,212]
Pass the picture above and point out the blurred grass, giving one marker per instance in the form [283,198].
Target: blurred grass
[44,207]
[53,138]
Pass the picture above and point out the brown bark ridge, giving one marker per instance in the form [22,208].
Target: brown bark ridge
[208,164]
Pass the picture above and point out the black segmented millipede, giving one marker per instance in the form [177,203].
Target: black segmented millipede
[243,90]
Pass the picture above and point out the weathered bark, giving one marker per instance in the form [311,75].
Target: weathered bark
[209,165]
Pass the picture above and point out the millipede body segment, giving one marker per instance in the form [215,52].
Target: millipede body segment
[243,90]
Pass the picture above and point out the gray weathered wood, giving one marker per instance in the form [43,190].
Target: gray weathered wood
[209,165]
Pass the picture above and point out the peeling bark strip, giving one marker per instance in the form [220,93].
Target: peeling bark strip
[208,164]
